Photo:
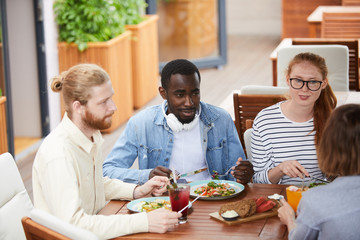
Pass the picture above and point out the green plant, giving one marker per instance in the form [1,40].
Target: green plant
[131,10]
[83,21]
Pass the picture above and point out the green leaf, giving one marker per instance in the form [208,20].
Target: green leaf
[83,21]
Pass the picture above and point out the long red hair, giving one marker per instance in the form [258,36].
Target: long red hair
[327,101]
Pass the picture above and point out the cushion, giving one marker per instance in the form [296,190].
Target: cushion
[336,57]
[14,199]
[259,89]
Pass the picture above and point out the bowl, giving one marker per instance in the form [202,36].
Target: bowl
[230,215]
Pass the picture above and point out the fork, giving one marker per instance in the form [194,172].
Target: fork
[226,173]
[319,179]
[171,175]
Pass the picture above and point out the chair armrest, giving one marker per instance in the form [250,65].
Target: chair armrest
[60,226]
[286,42]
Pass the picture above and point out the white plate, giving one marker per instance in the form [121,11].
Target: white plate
[135,205]
[196,184]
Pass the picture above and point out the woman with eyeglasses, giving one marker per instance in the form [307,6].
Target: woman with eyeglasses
[285,135]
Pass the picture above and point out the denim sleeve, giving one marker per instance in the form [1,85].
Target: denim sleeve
[122,156]
[235,148]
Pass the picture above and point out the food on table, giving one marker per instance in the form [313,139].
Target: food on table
[265,206]
[215,175]
[276,196]
[213,189]
[230,215]
[248,207]
[145,206]
[244,208]
[314,184]
[260,201]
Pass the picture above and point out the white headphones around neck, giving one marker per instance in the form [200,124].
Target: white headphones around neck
[174,123]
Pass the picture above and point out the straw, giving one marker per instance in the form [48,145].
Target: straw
[174,175]
[191,203]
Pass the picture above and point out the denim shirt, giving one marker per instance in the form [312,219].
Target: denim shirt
[148,138]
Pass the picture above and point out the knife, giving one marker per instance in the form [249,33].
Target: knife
[190,173]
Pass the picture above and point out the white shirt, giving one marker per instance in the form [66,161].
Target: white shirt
[187,154]
[68,183]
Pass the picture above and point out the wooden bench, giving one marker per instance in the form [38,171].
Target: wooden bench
[350,2]
[340,25]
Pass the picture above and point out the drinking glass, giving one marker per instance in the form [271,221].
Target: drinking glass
[179,198]
[293,197]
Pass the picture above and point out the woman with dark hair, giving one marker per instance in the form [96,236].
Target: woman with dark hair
[332,211]
[285,135]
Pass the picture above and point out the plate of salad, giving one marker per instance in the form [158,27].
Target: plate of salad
[215,189]
[149,204]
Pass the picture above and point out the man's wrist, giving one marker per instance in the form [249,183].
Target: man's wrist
[135,195]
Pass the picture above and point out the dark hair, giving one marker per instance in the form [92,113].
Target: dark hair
[339,148]
[327,99]
[181,66]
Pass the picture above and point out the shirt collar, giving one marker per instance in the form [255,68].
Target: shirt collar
[78,137]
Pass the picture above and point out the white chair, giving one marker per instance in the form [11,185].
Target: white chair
[42,225]
[247,141]
[336,57]
[16,205]
[259,89]
[14,199]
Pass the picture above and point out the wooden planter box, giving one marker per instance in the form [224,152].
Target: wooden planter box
[115,57]
[145,60]
[188,29]
[3,131]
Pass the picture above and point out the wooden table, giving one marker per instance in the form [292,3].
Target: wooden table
[315,18]
[201,226]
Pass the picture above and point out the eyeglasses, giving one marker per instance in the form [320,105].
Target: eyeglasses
[312,85]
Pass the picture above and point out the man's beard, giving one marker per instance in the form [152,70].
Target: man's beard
[96,123]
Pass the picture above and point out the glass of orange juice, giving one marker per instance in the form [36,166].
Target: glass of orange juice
[293,195]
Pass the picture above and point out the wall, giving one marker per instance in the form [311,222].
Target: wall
[52,62]
[253,17]
[23,68]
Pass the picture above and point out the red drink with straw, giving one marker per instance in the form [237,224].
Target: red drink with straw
[179,198]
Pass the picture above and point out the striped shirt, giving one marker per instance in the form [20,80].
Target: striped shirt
[276,139]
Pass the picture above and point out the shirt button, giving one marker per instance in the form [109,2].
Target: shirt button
[166,159]
[170,140]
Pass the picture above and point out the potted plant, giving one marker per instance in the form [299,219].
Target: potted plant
[144,49]
[92,31]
